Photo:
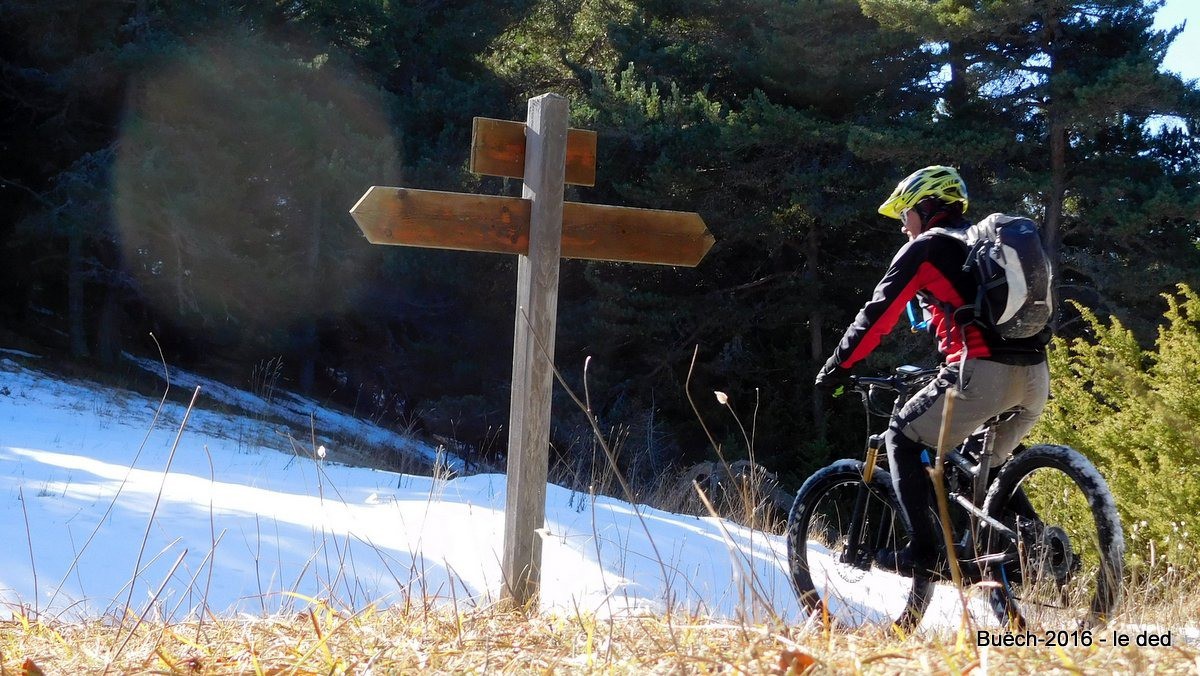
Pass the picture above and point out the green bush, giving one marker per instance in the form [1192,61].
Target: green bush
[1136,414]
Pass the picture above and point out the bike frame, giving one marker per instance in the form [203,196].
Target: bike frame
[964,468]
[987,519]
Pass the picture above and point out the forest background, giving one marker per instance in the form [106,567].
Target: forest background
[186,169]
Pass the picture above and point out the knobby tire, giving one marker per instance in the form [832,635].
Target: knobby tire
[1071,564]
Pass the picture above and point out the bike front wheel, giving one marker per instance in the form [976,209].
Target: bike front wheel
[1065,551]
[831,573]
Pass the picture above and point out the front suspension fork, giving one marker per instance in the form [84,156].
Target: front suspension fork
[858,553]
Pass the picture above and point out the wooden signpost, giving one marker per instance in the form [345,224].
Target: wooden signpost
[540,228]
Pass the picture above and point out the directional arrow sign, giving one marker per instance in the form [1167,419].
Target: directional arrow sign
[498,149]
[447,220]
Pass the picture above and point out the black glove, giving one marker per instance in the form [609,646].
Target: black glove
[832,376]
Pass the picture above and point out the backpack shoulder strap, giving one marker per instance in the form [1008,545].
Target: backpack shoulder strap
[972,238]
[959,234]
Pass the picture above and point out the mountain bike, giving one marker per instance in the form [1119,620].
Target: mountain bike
[1040,535]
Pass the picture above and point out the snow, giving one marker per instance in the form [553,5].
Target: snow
[104,504]
[301,412]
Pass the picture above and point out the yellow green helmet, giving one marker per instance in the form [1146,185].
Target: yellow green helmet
[935,181]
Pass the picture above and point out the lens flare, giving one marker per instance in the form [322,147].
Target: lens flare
[238,162]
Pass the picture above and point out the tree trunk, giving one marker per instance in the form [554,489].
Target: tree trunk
[957,101]
[816,326]
[76,309]
[308,332]
[1058,164]
[1054,200]
[108,329]
[956,89]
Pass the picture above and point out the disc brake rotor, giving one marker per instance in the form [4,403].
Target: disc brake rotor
[846,571]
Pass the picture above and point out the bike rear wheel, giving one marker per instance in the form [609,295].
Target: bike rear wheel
[1067,557]
[856,591]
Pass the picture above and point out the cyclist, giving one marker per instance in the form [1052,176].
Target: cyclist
[991,374]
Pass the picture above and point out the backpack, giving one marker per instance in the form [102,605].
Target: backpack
[1006,257]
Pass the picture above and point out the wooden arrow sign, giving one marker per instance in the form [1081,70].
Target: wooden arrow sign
[498,149]
[446,220]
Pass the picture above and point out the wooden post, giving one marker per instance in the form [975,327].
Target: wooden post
[533,348]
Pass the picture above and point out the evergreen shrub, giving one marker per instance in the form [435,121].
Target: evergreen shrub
[1136,414]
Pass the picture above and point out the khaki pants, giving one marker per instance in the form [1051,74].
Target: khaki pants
[988,388]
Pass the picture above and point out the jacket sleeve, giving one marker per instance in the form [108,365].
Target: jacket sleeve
[904,277]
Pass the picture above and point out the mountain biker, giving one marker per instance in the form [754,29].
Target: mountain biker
[992,374]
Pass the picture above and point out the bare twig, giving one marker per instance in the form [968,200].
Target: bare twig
[212,538]
[192,584]
[734,551]
[937,475]
[687,390]
[146,566]
[29,541]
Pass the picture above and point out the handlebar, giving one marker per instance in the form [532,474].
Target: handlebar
[905,380]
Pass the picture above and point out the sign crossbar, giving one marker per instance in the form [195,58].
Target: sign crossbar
[496,224]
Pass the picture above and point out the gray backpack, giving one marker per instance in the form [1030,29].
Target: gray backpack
[1006,257]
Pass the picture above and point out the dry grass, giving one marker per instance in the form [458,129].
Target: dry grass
[415,638]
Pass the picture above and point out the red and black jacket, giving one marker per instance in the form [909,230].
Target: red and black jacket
[932,266]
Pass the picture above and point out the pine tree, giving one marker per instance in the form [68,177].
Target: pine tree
[1074,98]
